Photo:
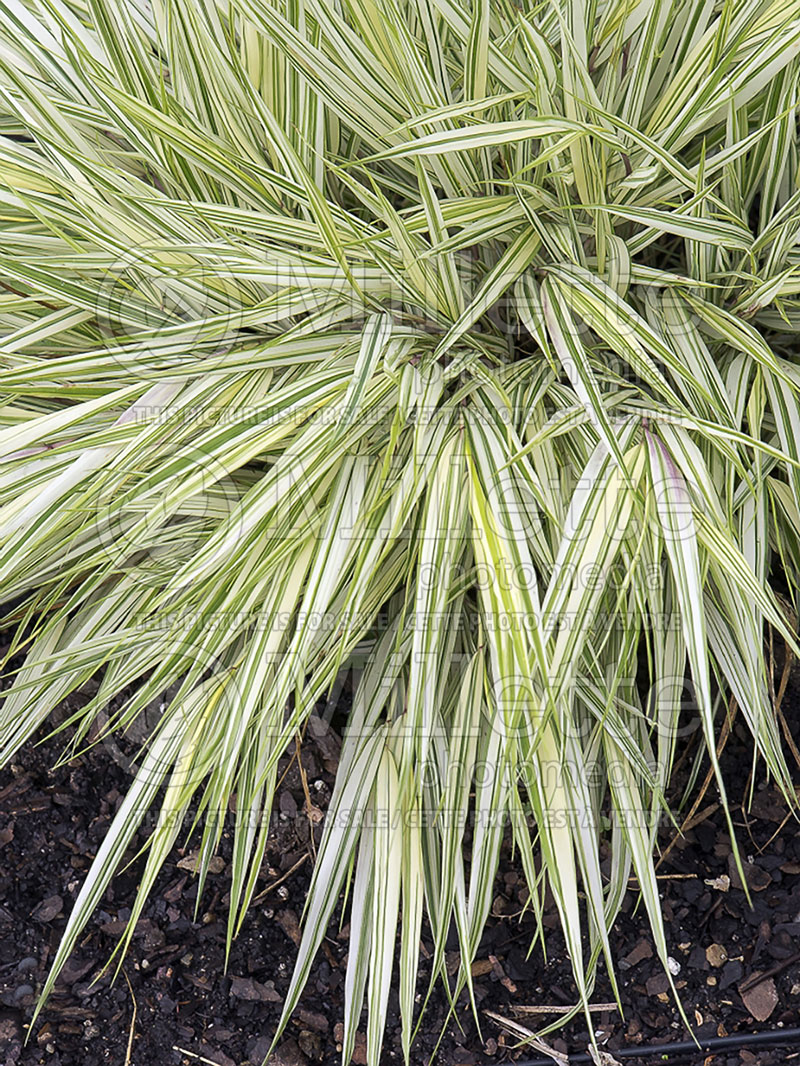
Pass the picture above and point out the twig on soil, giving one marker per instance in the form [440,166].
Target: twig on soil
[281,879]
[528,1037]
[129,1049]
[787,734]
[307,794]
[710,914]
[668,877]
[547,1009]
[790,814]
[690,821]
[192,1055]
[773,971]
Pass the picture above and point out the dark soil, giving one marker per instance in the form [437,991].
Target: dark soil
[176,1004]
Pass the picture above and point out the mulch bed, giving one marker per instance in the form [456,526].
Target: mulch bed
[175,1005]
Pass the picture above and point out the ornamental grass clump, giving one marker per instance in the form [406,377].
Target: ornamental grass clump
[449,344]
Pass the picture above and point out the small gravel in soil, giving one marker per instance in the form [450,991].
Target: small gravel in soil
[187,1005]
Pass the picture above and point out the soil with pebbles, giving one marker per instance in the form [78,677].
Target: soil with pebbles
[176,1003]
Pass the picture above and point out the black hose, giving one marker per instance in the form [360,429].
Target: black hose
[776,1037]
